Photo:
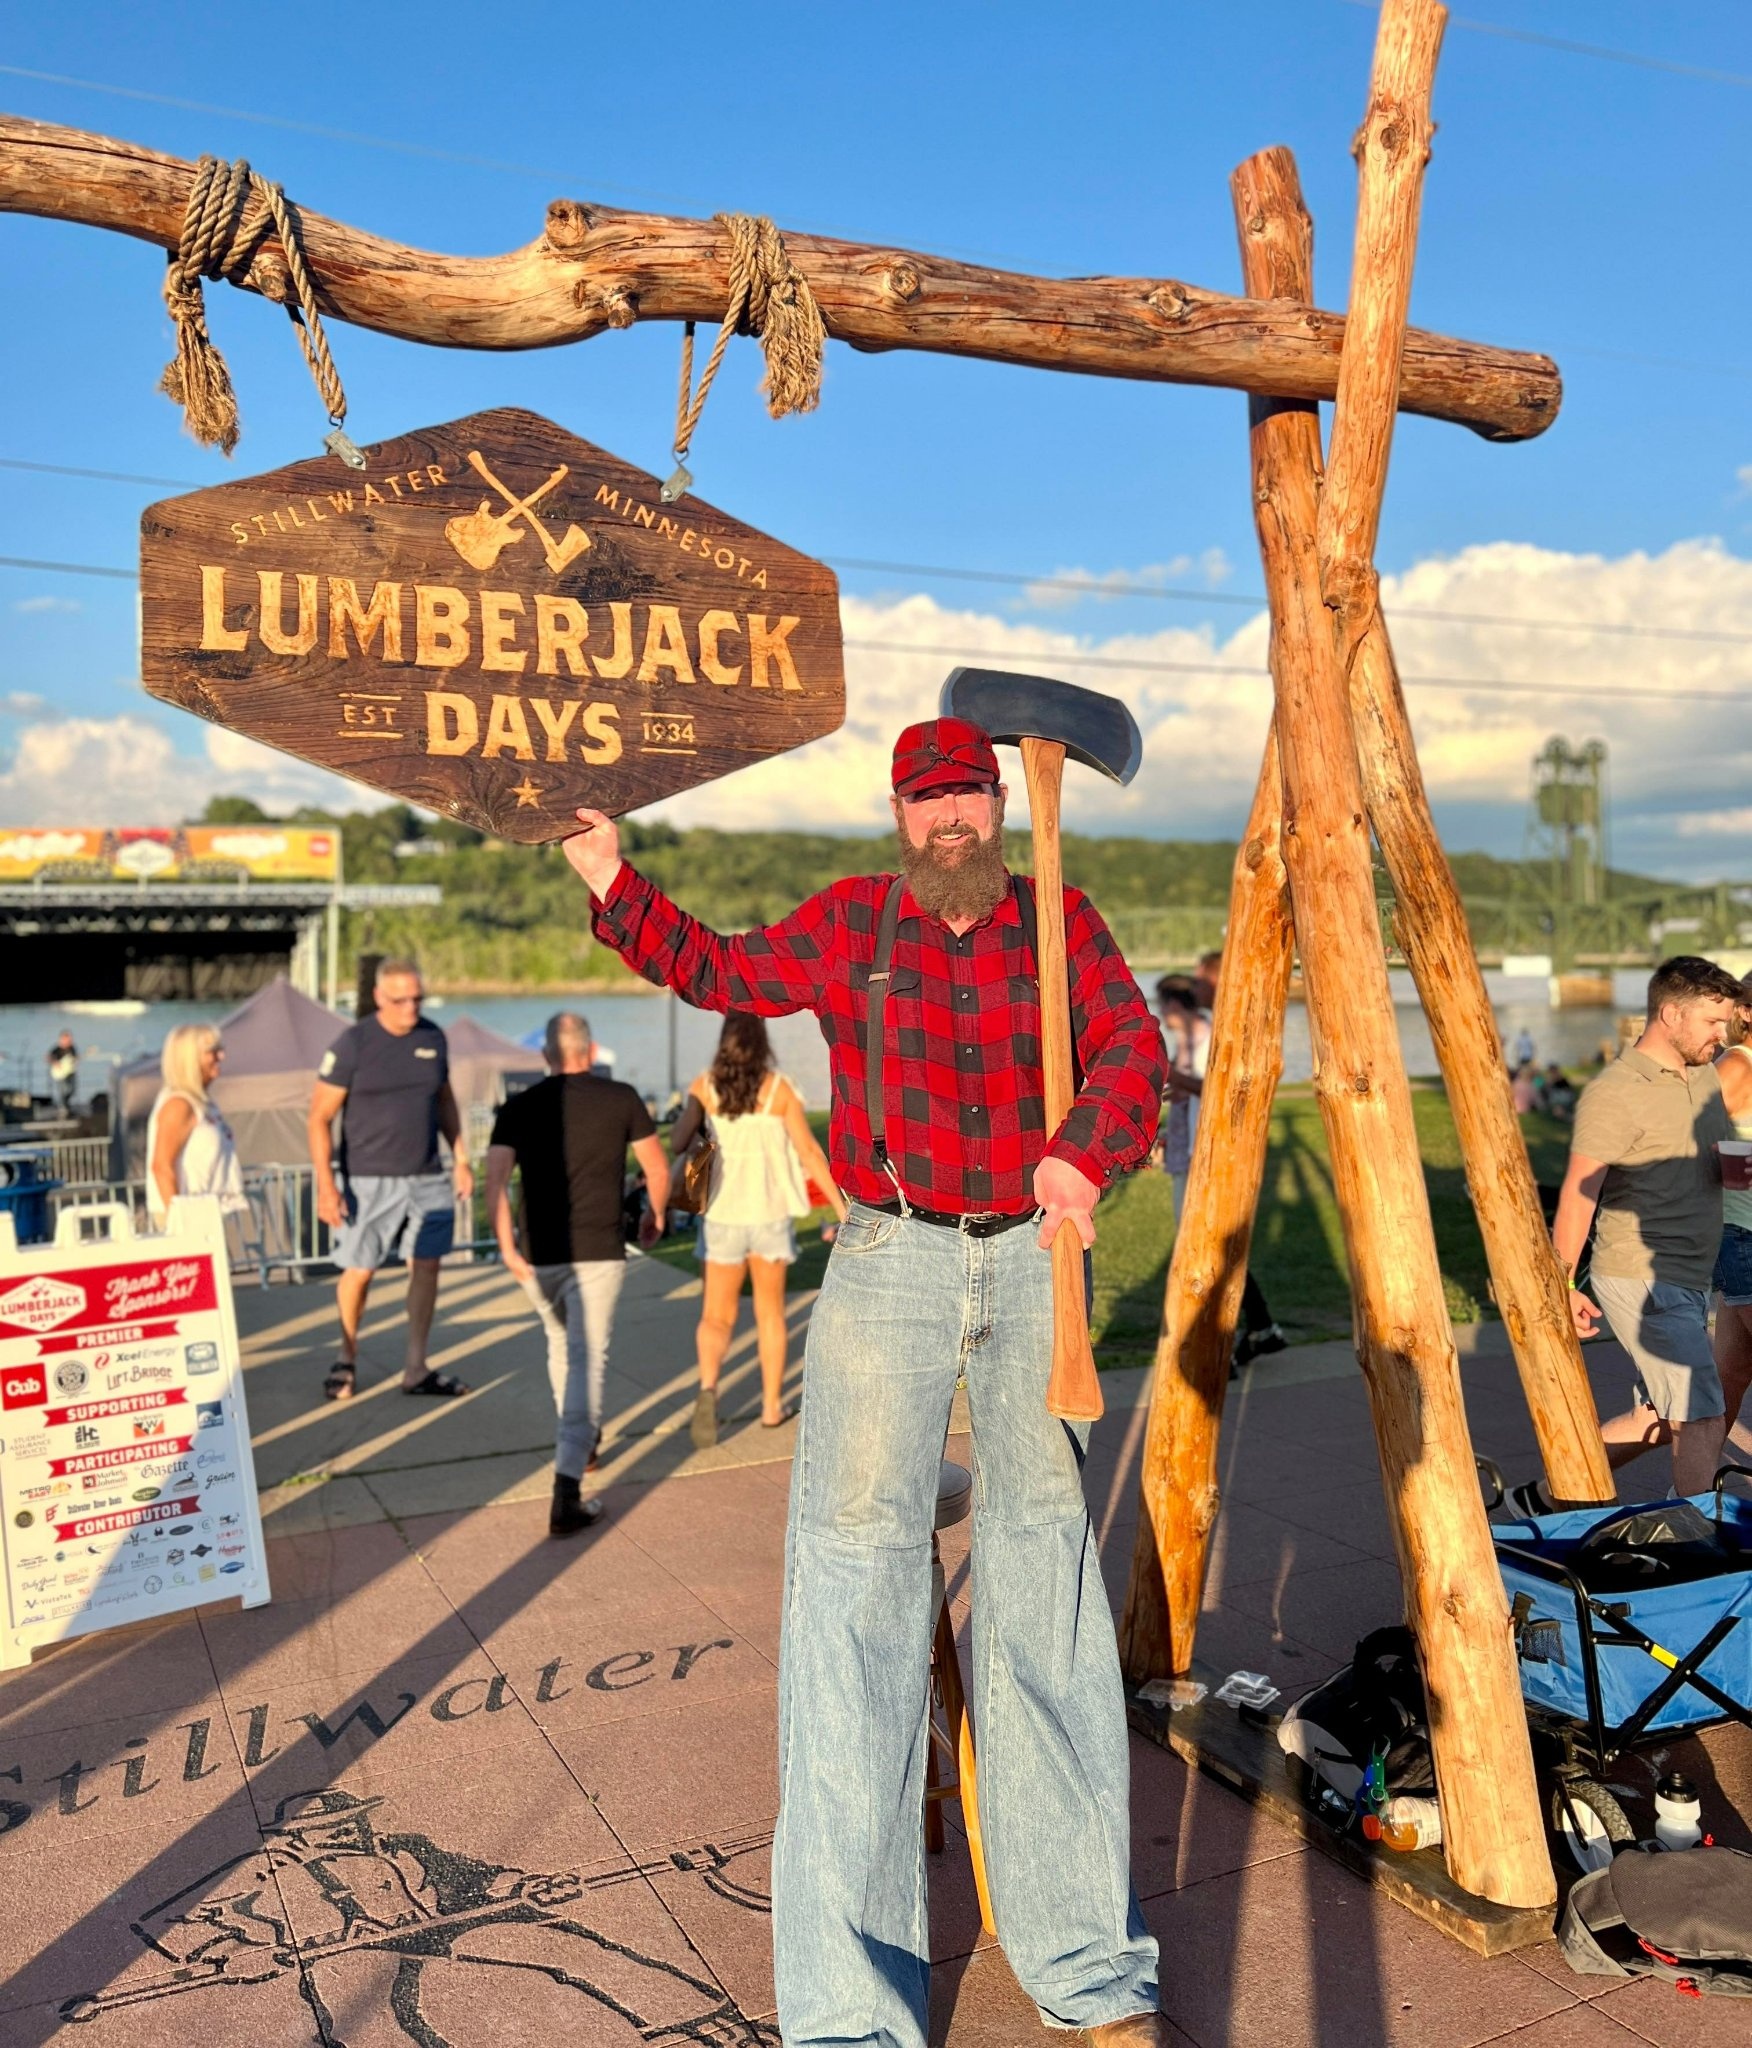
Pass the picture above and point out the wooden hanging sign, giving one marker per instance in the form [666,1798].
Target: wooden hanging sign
[493,620]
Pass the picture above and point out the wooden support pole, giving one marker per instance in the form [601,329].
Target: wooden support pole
[1178,1491]
[596,267]
[1392,148]
[1178,1494]
[1454,1595]
[1430,922]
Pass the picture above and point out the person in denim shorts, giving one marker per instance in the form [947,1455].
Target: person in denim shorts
[1643,1160]
[767,1155]
[1733,1269]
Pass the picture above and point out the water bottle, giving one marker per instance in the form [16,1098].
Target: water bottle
[1678,1813]
[1406,1823]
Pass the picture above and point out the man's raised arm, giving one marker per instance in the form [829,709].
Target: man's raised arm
[772,971]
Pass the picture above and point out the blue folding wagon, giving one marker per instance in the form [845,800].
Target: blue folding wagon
[1629,1626]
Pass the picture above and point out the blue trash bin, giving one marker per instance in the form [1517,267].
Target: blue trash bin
[25,1187]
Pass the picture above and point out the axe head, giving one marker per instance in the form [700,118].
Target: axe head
[1092,728]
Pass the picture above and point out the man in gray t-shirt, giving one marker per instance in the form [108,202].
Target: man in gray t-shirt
[1643,1162]
[388,1078]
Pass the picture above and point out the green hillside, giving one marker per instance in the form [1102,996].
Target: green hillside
[514,917]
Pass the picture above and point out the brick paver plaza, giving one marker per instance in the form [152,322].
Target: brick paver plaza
[458,1785]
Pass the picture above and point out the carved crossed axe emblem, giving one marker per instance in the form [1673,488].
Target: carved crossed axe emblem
[480,537]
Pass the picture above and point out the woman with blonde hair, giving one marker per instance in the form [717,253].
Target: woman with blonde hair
[766,1155]
[189,1146]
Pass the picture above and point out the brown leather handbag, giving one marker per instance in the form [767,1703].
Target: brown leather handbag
[690,1186]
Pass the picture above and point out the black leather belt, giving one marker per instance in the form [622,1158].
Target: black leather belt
[949,1219]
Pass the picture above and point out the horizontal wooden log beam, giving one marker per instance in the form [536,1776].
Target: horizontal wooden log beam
[595,267]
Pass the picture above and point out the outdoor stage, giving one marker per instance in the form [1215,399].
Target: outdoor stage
[599,1714]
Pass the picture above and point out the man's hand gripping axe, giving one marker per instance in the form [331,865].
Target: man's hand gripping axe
[1049,720]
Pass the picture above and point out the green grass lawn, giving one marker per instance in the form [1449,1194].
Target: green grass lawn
[1298,1252]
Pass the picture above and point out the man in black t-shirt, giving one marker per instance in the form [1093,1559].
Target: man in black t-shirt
[569,1136]
[391,1197]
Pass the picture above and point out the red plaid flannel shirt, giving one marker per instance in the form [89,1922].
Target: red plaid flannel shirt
[966,1122]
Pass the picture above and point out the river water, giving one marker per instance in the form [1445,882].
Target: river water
[660,1044]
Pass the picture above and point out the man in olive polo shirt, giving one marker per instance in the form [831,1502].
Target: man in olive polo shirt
[1643,1157]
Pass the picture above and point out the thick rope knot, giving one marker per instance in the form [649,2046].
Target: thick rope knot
[770,298]
[229,215]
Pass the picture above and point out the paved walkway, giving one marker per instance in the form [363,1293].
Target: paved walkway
[460,1786]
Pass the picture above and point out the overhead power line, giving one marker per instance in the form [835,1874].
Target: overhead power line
[1504,685]
[1080,586]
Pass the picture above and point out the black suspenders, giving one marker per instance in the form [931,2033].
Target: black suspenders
[875,1035]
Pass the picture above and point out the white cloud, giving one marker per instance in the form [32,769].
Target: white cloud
[22,703]
[126,769]
[1678,767]
[47,604]
[1108,586]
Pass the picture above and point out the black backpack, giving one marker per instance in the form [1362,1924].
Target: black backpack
[1375,1705]
[1682,1914]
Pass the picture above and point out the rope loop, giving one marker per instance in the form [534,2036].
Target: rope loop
[769,297]
[230,213]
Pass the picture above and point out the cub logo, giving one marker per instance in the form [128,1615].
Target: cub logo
[24,1386]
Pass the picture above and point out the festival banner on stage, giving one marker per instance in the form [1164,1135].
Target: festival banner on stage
[127,1488]
[494,620]
[98,854]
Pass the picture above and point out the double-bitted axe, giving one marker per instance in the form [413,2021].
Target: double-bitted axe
[1049,720]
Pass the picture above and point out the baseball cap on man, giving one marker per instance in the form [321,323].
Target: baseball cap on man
[941,751]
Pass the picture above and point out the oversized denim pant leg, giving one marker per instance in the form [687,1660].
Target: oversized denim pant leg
[576,1305]
[1048,1704]
[850,1940]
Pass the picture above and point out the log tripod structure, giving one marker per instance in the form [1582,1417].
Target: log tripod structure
[1339,764]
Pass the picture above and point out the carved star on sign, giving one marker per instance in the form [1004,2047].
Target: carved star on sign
[485,597]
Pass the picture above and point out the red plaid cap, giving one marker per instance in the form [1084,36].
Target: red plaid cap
[941,751]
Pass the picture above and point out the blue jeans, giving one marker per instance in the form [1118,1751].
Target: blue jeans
[576,1304]
[906,1307]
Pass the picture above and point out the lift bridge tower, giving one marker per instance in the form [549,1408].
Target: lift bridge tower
[1566,849]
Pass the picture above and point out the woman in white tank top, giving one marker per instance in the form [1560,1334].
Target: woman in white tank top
[767,1154]
[189,1147]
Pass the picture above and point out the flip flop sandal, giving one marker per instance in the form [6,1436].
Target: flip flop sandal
[787,1413]
[340,1382]
[443,1384]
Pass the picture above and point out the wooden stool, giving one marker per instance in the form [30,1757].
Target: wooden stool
[949,1758]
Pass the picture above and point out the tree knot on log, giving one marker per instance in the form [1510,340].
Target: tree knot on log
[617,303]
[568,223]
[901,282]
[1172,301]
[1205,1504]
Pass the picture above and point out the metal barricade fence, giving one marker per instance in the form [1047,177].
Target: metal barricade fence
[280,1232]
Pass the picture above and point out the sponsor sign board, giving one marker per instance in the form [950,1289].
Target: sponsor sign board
[102,1435]
[494,620]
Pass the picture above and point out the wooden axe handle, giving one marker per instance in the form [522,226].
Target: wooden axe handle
[1073,1392]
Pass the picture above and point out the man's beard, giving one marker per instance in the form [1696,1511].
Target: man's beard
[967,879]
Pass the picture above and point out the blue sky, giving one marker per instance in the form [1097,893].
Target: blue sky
[1575,203]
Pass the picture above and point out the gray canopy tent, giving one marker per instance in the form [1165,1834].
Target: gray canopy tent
[273,1044]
